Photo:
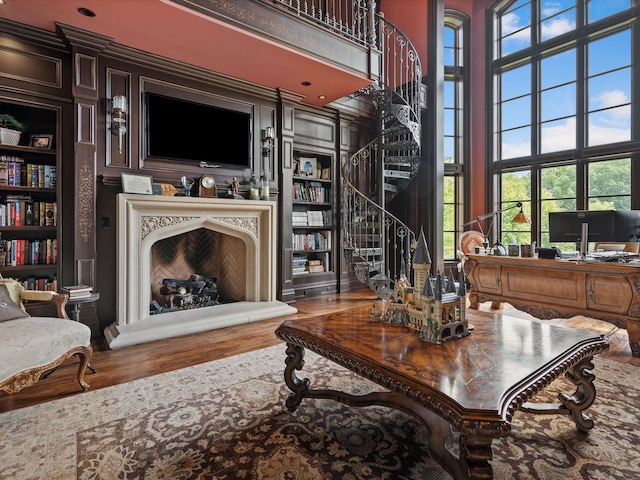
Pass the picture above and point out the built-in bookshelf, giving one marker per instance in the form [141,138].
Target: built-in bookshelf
[312,221]
[29,199]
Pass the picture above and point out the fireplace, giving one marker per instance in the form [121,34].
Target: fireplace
[238,247]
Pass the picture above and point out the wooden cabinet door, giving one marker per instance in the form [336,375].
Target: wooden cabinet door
[486,279]
[608,293]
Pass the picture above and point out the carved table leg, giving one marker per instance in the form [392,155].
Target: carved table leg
[475,451]
[633,329]
[584,395]
[295,361]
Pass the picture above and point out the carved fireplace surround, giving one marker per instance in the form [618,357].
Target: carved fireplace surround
[144,220]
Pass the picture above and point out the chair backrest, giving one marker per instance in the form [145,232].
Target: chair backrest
[631,247]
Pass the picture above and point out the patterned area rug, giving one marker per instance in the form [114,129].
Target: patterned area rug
[227,420]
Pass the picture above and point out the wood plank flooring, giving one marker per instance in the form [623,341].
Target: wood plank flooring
[139,361]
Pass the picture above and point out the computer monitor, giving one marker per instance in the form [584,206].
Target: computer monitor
[603,225]
[567,226]
[627,225]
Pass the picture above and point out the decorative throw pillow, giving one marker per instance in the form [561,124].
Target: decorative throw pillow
[8,309]
[14,287]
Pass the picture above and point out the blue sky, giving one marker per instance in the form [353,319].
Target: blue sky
[608,87]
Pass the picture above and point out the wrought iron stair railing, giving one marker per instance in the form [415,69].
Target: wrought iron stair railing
[377,245]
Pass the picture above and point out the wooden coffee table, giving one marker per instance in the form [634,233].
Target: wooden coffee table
[472,385]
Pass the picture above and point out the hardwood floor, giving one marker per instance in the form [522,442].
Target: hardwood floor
[139,361]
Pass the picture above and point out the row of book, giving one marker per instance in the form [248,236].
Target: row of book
[40,283]
[312,241]
[21,210]
[14,171]
[28,252]
[311,192]
[312,218]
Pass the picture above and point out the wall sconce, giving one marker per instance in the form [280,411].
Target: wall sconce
[268,136]
[118,118]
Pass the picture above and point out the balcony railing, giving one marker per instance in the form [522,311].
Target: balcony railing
[349,18]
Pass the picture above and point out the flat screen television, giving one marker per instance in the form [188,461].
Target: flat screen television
[186,131]
[604,225]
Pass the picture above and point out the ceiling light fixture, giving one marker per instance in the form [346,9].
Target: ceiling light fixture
[322,97]
[306,84]
[82,11]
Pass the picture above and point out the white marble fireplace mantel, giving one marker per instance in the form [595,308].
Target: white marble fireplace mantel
[144,220]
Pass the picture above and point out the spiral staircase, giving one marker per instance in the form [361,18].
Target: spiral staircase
[378,245]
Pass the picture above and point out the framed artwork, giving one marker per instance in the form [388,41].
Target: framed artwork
[41,141]
[134,183]
[309,167]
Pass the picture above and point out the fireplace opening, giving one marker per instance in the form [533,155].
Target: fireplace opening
[187,264]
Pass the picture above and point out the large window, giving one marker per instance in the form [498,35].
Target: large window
[563,123]
[455,127]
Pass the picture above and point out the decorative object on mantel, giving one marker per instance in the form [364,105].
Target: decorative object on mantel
[207,186]
[254,187]
[167,189]
[234,191]
[135,183]
[187,183]
[264,186]
[10,129]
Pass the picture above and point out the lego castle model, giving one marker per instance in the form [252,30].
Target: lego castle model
[435,307]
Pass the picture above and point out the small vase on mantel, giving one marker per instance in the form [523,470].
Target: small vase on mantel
[254,187]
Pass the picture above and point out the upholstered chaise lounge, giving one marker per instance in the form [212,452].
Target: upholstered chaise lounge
[31,347]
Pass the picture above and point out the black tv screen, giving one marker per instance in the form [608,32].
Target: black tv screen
[182,130]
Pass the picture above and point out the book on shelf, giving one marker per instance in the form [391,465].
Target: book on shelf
[315,265]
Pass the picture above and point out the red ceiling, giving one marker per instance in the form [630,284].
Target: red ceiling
[163,28]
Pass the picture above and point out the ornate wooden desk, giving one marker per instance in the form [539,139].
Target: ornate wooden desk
[560,289]
[474,384]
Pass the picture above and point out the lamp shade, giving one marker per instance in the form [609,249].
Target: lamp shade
[521,217]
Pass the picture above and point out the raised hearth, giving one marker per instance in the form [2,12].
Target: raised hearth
[144,220]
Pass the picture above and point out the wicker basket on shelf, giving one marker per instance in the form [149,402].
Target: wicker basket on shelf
[9,137]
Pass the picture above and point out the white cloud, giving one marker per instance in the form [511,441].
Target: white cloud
[550,8]
[601,135]
[612,98]
[609,98]
[511,23]
[562,136]
[556,27]
[559,136]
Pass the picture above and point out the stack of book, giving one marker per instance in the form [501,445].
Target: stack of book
[77,291]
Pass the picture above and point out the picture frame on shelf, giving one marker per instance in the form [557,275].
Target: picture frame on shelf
[309,167]
[136,183]
[325,173]
[44,141]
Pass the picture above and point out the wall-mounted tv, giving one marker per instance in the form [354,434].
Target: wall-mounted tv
[187,131]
